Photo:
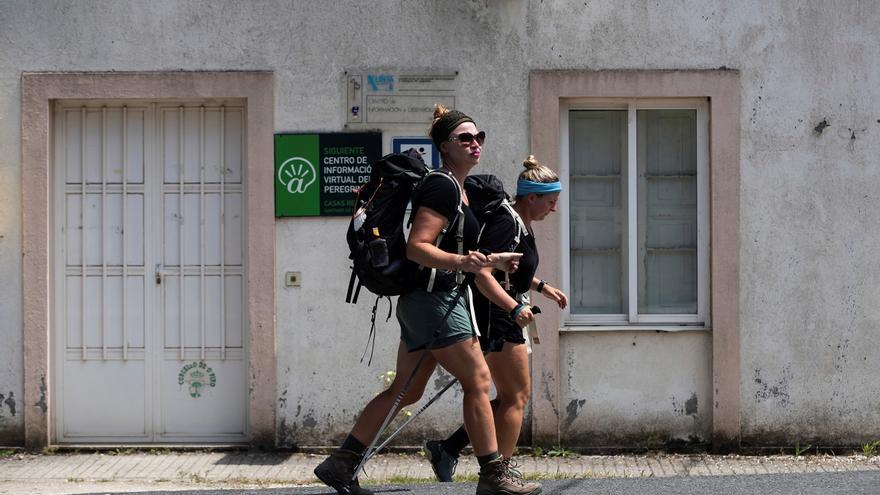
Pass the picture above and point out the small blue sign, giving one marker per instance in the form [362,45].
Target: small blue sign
[423,145]
[380,82]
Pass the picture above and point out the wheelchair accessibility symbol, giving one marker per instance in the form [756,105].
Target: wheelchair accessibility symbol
[297,174]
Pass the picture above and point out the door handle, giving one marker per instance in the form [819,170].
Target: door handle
[161,272]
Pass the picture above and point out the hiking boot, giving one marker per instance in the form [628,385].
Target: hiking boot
[337,470]
[443,463]
[496,479]
[511,466]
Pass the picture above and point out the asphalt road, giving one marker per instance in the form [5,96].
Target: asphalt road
[857,482]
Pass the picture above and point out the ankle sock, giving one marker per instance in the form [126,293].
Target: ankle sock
[353,444]
[459,440]
[486,459]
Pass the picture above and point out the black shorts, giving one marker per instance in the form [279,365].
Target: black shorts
[501,333]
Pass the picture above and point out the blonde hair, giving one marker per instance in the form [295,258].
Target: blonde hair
[536,172]
[439,111]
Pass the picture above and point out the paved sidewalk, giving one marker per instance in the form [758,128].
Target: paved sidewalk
[72,473]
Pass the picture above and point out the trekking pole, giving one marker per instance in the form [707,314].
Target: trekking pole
[397,400]
[413,417]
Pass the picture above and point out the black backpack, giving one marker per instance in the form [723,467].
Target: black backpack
[486,198]
[375,236]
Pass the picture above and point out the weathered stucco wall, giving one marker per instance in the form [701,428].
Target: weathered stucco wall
[11,355]
[810,346]
[636,389]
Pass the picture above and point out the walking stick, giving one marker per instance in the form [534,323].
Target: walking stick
[413,417]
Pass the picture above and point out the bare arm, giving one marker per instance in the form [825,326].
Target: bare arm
[551,293]
[420,246]
[493,290]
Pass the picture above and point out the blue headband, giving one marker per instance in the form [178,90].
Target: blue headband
[524,187]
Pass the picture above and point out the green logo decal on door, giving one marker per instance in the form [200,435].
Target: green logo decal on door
[198,376]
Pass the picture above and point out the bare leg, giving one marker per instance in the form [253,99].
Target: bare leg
[465,361]
[374,413]
[510,371]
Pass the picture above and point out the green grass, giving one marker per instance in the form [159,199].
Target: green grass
[6,453]
[122,451]
[870,448]
[560,452]
[801,449]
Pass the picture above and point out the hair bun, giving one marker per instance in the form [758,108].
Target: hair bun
[531,162]
[536,172]
[439,111]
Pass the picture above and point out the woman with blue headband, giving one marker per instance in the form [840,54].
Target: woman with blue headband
[503,311]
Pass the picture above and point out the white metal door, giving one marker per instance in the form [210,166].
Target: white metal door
[148,326]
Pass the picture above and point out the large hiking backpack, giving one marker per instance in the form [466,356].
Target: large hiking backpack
[375,234]
[486,198]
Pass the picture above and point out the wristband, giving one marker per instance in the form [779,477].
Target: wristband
[540,287]
[516,311]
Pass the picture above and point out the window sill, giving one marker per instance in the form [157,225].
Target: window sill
[584,327]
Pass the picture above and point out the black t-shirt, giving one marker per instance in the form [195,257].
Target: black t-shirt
[498,236]
[440,194]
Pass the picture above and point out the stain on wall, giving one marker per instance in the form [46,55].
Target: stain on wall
[42,402]
[9,401]
[571,411]
[821,126]
[775,390]
[10,431]
[688,408]
[691,406]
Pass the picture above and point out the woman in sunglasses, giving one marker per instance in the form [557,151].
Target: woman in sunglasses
[436,273]
[504,311]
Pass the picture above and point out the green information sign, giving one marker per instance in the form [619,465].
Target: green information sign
[316,174]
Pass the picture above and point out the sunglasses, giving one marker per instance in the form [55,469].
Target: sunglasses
[468,138]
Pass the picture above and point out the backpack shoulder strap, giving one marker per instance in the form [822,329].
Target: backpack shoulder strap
[520,225]
[459,234]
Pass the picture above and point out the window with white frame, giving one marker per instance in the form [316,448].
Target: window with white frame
[637,216]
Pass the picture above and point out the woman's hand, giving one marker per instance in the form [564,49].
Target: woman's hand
[506,262]
[555,294]
[525,316]
[473,262]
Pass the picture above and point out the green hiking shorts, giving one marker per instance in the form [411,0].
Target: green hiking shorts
[420,314]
